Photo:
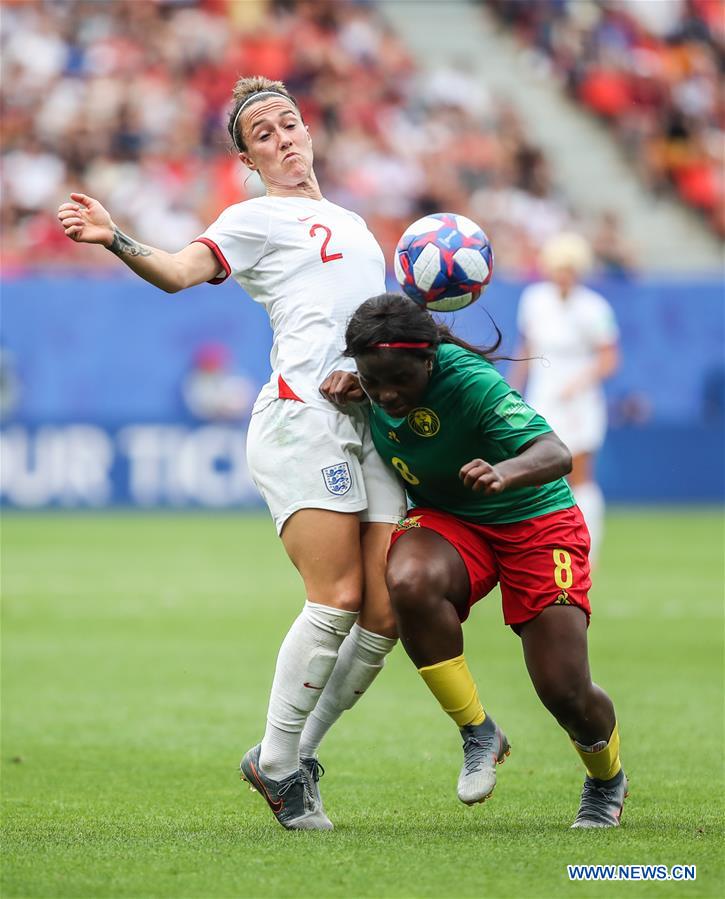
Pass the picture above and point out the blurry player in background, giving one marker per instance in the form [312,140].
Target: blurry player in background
[485,475]
[570,346]
[212,391]
[311,264]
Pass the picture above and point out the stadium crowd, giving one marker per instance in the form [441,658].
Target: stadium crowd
[127,102]
[653,70]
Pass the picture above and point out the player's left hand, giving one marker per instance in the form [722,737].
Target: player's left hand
[342,387]
[481,477]
[570,391]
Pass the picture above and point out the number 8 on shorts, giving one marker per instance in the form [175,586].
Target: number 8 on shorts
[563,577]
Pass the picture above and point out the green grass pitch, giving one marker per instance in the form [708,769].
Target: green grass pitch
[137,657]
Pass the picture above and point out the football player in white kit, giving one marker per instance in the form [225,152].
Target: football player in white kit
[334,502]
[570,344]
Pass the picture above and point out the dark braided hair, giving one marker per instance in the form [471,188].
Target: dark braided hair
[393,318]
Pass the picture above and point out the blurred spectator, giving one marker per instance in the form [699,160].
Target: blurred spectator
[652,70]
[127,101]
[9,384]
[212,391]
[613,253]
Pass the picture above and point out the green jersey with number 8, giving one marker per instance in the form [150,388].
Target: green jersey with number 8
[467,412]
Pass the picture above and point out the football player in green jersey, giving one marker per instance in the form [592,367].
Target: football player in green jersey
[485,476]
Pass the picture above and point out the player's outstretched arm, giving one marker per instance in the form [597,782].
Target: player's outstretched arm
[85,220]
[543,459]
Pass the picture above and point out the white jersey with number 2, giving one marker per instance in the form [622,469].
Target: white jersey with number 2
[310,263]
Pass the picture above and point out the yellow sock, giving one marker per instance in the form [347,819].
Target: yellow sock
[603,764]
[452,685]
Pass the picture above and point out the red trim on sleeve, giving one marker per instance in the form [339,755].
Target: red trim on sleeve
[285,391]
[220,259]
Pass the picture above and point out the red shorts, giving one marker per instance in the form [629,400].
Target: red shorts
[539,562]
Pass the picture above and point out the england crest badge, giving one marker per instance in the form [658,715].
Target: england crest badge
[337,478]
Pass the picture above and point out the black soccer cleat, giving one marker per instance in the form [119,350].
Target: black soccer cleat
[290,799]
[313,771]
[602,802]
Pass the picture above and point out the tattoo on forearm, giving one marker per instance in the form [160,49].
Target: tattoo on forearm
[123,245]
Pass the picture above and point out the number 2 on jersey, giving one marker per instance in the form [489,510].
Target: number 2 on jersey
[323,249]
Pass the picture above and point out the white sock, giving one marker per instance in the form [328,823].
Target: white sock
[591,502]
[360,660]
[304,664]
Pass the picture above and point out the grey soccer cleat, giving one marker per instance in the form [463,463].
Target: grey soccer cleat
[484,747]
[313,771]
[290,799]
[602,802]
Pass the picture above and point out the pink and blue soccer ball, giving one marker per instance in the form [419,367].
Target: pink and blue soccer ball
[444,262]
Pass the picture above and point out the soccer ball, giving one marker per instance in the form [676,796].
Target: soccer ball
[443,262]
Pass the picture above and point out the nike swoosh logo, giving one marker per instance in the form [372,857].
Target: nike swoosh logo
[306,218]
[275,804]
[311,686]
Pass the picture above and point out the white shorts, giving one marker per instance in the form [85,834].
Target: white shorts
[302,457]
[581,423]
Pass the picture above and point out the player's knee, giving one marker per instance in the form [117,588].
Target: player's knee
[412,584]
[344,595]
[381,621]
[565,699]
[347,600]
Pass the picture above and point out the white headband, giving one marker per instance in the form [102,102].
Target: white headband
[250,98]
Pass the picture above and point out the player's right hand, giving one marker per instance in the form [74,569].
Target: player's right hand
[86,221]
[342,387]
[481,477]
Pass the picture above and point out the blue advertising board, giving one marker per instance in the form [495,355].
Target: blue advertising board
[97,410]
